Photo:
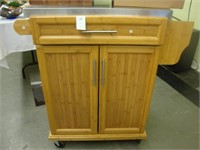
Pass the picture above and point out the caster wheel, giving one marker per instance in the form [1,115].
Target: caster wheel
[138,141]
[59,144]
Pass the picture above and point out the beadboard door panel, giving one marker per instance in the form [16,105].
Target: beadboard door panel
[125,77]
[67,74]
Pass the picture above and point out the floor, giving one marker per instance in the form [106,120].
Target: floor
[186,83]
[173,121]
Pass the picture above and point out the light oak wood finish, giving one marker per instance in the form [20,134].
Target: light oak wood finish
[70,95]
[128,73]
[22,26]
[98,137]
[134,30]
[102,92]
[177,38]
[150,3]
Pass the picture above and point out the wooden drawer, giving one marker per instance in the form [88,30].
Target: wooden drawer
[100,30]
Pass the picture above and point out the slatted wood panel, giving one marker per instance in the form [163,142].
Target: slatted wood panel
[70,95]
[128,72]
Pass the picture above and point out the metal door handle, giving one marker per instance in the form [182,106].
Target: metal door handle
[94,72]
[99,31]
[103,72]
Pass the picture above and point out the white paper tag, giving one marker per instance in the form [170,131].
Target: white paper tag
[80,23]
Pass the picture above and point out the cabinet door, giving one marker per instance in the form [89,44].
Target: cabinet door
[69,79]
[127,76]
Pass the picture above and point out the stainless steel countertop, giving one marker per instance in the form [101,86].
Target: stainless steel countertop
[55,10]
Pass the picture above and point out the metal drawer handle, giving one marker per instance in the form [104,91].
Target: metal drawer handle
[99,31]
[103,71]
[94,72]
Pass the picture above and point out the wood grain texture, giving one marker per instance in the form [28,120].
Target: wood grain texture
[70,95]
[177,38]
[150,3]
[62,2]
[97,137]
[130,29]
[150,86]
[128,73]
[80,105]
[22,26]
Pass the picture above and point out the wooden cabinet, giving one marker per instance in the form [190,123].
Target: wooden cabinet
[97,89]
[98,85]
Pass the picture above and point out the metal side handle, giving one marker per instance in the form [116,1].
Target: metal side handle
[103,72]
[99,31]
[94,72]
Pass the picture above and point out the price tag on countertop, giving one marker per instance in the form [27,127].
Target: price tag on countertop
[80,23]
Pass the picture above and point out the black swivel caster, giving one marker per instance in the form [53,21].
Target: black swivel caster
[59,144]
[138,141]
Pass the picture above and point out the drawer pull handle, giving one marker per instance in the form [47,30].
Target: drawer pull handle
[103,72]
[99,31]
[94,72]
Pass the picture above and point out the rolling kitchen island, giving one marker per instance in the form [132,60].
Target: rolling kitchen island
[98,82]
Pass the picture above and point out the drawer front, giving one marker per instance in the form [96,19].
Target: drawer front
[99,30]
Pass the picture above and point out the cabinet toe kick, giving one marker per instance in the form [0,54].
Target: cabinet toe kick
[98,137]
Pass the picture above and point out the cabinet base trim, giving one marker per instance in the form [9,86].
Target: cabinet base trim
[97,137]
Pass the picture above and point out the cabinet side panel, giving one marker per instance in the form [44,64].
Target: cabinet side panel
[45,87]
